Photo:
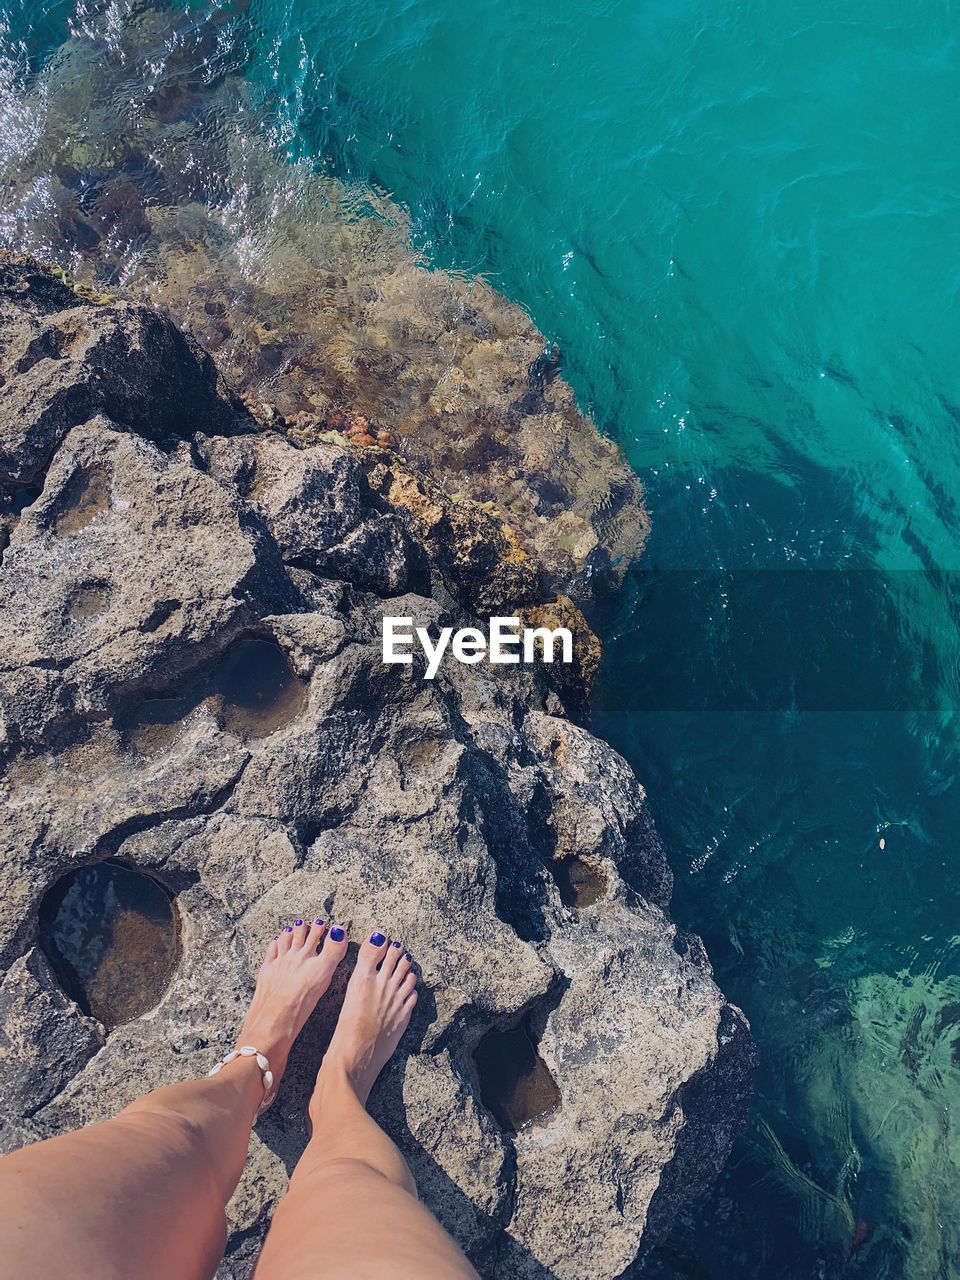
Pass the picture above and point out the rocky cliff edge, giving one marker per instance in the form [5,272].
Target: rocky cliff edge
[153,537]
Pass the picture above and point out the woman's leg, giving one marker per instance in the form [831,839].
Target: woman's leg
[144,1194]
[352,1209]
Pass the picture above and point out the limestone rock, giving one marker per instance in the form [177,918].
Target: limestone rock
[66,359]
[44,1040]
[193,686]
[321,511]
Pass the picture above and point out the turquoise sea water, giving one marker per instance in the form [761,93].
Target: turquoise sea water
[741,223]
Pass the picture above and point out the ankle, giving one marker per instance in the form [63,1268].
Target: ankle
[335,1087]
[268,1037]
[247,1078]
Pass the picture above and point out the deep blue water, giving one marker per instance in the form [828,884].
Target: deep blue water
[740,223]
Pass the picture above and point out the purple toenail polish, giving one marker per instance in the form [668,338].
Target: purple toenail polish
[288,928]
[410,957]
[298,922]
[336,934]
[318,921]
[398,944]
[377,939]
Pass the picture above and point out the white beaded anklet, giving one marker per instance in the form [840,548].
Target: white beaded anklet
[248,1051]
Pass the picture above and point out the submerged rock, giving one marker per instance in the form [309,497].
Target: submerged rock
[192,685]
[309,296]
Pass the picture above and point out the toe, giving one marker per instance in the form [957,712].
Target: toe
[391,959]
[285,939]
[401,966]
[316,931]
[334,945]
[273,949]
[301,931]
[409,984]
[373,950]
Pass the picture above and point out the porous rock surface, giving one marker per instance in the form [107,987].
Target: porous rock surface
[160,530]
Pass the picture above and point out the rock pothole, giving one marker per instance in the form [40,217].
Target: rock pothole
[515,1083]
[112,936]
[15,503]
[89,600]
[84,498]
[252,691]
[156,723]
[580,883]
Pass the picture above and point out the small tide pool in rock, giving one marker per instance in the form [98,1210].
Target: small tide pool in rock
[255,690]
[156,723]
[85,497]
[112,936]
[16,503]
[580,884]
[88,601]
[252,690]
[515,1084]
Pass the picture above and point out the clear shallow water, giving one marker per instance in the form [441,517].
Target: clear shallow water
[740,224]
[113,936]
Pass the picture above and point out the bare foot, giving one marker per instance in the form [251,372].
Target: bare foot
[292,979]
[376,1011]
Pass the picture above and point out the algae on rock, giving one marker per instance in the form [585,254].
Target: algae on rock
[165,189]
